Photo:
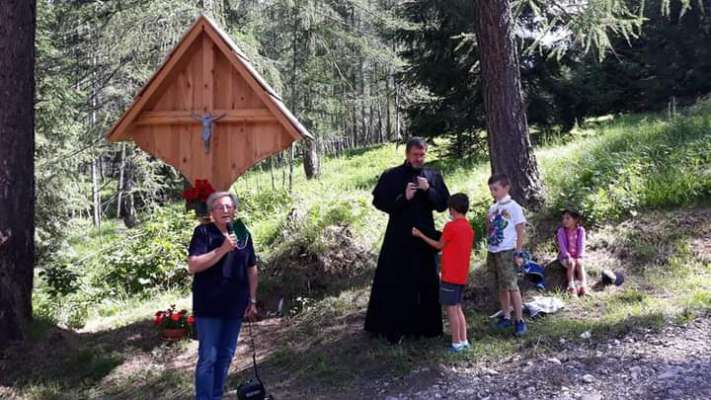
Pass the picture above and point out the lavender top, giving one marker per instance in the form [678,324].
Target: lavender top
[563,243]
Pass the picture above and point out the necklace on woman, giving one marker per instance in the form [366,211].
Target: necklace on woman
[241,233]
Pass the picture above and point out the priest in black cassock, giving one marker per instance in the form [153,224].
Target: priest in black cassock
[404,300]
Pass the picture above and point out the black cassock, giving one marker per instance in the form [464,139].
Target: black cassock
[404,299]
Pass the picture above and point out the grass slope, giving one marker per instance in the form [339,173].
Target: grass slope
[643,182]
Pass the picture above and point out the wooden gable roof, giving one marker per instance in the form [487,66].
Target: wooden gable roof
[206,74]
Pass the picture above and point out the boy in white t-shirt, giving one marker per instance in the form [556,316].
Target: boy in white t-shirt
[505,227]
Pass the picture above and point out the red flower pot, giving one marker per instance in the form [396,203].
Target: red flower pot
[172,335]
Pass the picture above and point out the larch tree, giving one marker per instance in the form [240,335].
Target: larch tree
[510,147]
[17,186]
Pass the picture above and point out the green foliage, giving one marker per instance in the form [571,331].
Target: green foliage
[340,196]
[256,205]
[75,311]
[590,26]
[153,257]
[443,68]
[115,263]
[563,81]
[304,228]
[60,279]
[633,164]
[332,63]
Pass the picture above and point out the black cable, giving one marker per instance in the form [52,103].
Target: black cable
[254,351]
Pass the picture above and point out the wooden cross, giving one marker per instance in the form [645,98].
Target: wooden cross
[204,79]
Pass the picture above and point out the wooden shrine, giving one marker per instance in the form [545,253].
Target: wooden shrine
[207,111]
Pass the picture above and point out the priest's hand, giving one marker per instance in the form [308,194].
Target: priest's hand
[410,191]
[423,184]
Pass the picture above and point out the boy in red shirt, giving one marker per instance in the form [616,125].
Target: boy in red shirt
[456,245]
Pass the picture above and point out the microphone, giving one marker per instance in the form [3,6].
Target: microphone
[231,230]
[227,265]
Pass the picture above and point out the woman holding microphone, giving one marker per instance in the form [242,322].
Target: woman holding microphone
[224,292]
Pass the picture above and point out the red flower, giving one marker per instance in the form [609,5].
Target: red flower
[159,318]
[175,317]
[199,192]
[191,320]
[203,189]
[190,194]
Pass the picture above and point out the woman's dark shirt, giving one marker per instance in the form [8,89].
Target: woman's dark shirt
[221,291]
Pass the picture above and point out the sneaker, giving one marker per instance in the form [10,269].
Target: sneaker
[520,328]
[503,323]
[466,344]
[456,348]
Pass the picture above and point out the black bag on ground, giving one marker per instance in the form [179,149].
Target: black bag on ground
[253,388]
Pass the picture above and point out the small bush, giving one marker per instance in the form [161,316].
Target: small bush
[153,256]
[75,313]
[60,279]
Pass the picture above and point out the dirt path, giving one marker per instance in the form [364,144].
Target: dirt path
[674,363]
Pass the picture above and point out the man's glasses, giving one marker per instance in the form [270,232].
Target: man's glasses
[224,207]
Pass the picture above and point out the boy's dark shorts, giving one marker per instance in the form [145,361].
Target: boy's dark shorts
[505,272]
[450,294]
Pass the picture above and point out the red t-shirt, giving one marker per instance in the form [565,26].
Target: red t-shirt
[458,238]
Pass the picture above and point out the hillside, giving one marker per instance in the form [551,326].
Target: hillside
[642,181]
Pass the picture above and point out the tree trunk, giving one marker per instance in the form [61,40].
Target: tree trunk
[354,119]
[17,185]
[388,119]
[509,144]
[128,205]
[380,122]
[122,168]
[95,195]
[282,165]
[291,167]
[309,152]
[397,115]
[271,172]
[294,84]
[128,211]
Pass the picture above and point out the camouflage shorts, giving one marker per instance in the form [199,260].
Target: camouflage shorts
[501,265]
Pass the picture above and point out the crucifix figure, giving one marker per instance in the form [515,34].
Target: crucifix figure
[207,122]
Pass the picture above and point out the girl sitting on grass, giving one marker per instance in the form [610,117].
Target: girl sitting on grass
[571,245]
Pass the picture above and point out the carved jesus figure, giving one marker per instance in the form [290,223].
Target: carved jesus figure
[207,121]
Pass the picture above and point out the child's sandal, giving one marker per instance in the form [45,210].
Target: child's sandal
[572,290]
[582,291]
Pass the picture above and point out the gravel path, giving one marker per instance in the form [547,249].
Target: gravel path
[674,363]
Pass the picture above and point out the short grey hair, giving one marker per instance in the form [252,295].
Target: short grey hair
[416,141]
[218,195]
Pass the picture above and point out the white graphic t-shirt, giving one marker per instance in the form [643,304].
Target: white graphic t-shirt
[503,217]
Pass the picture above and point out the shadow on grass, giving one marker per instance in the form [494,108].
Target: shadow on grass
[326,364]
[344,362]
[64,359]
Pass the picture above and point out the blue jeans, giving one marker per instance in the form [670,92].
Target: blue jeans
[217,344]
